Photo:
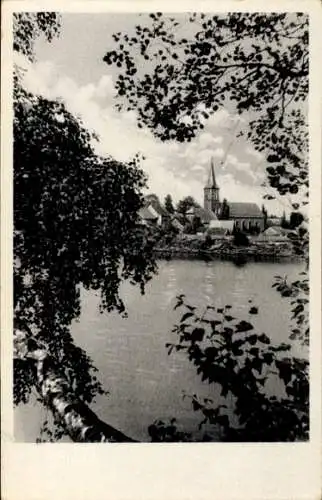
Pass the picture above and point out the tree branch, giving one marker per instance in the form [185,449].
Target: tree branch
[282,71]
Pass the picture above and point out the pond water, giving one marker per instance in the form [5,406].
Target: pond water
[144,382]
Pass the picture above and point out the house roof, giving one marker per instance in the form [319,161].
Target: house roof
[273,231]
[147,214]
[244,210]
[154,201]
[274,218]
[205,215]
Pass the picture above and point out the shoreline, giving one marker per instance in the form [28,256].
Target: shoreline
[239,255]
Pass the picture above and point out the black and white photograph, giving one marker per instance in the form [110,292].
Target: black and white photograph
[161,227]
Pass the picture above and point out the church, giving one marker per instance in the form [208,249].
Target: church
[246,216]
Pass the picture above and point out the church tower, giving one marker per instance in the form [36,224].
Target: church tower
[211,191]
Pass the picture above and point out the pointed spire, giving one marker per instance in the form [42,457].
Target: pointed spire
[211,178]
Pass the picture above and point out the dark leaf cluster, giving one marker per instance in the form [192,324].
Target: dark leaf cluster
[229,353]
[256,64]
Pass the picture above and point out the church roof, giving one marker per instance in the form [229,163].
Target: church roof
[244,210]
[204,214]
[211,183]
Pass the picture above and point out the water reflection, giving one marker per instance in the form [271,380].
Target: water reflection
[144,382]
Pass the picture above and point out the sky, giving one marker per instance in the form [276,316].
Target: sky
[71,68]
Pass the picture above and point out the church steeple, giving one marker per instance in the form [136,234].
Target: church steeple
[211,191]
[211,177]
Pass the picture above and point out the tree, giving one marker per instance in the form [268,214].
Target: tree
[196,224]
[224,211]
[168,204]
[193,226]
[28,26]
[240,239]
[61,227]
[185,204]
[264,212]
[284,223]
[296,218]
[229,353]
[177,71]
[76,225]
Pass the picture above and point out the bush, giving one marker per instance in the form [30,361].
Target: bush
[230,353]
[240,239]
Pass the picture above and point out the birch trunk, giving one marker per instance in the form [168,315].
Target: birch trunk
[80,422]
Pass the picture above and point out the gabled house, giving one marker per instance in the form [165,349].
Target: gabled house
[149,216]
[153,202]
[221,227]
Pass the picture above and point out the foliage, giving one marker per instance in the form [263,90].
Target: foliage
[177,71]
[75,213]
[75,225]
[28,26]
[168,204]
[296,219]
[226,351]
[264,211]
[298,291]
[194,226]
[224,211]
[185,204]
[161,431]
[240,239]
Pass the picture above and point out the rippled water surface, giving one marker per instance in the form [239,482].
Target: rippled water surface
[144,382]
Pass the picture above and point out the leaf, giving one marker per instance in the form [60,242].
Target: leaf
[224,391]
[197,334]
[268,197]
[186,316]
[252,339]
[268,358]
[254,351]
[223,420]
[215,323]
[211,352]
[253,310]
[244,326]
[272,159]
[196,405]
[264,339]
[257,364]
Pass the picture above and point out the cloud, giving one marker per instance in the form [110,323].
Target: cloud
[179,169]
[252,152]
[218,153]
[204,156]
[223,119]
[236,163]
[233,190]
[198,168]
[119,135]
